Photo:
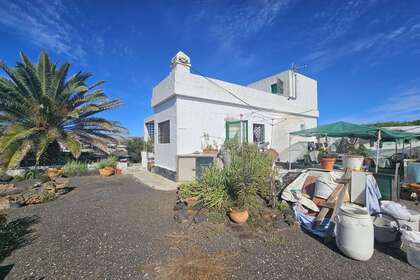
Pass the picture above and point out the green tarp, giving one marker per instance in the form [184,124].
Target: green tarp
[345,129]
[339,129]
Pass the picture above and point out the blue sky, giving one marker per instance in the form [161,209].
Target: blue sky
[364,54]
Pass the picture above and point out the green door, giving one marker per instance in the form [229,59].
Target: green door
[233,131]
[202,163]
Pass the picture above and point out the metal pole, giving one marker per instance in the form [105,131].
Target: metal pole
[290,156]
[377,151]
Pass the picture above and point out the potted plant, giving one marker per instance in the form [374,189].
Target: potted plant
[355,157]
[107,166]
[211,149]
[327,160]
[237,215]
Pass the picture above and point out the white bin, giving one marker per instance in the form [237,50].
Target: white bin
[354,232]
[411,242]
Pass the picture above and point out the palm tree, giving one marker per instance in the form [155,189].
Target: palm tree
[40,106]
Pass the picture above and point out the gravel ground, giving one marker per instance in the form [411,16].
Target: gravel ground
[117,228]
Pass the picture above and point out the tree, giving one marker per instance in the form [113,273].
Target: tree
[40,107]
[134,148]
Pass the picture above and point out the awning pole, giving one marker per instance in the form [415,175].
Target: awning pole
[378,143]
[290,156]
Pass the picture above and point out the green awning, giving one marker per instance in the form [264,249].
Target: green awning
[345,129]
[339,129]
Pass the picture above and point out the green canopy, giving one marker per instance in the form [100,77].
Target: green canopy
[340,129]
[345,129]
[396,135]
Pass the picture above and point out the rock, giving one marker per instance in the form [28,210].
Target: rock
[15,205]
[200,219]
[181,216]
[4,178]
[61,183]
[7,187]
[39,195]
[4,203]
[179,205]
[16,199]
[267,216]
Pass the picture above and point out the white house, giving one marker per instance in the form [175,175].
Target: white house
[192,111]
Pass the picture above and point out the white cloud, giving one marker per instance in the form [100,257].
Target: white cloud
[46,24]
[403,106]
[241,22]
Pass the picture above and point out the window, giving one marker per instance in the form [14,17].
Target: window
[258,133]
[164,132]
[278,87]
[274,88]
[234,131]
[150,126]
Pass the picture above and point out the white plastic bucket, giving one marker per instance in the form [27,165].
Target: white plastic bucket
[413,220]
[353,162]
[324,186]
[354,232]
[411,242]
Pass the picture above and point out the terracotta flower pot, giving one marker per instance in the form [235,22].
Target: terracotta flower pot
[210,151]
[54,172]
[239,217]
[328,163]
[106,171]
[118,171]
[191,201]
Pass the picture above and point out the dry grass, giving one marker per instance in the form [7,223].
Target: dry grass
[192,264]
[196,265]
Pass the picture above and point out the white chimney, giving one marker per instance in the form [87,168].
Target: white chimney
[181,62]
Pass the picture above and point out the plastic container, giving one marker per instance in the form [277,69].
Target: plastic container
[413,172]
[324,186]
[406,217]
[385,229]
[353,162]
[354,232]
[412,222]
[411,242]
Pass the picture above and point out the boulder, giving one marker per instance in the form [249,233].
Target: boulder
[7,187]
[61,183]
[4,203]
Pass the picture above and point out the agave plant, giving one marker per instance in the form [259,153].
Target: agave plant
[40,105]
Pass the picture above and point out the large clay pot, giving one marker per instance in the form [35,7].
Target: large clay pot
[106,171]
[54,172]
[328,163]
[239,217]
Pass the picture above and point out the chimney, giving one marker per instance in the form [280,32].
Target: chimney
[181,62]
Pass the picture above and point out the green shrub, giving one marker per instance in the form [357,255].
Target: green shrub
[250,175]
[75,168]
[244,181]
[210,188]
[36,174]
[110,161]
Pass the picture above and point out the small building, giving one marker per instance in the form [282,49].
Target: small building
[192,112]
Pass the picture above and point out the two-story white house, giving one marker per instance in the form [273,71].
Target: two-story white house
[192,112]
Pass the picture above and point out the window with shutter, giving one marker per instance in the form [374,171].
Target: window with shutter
[164,132]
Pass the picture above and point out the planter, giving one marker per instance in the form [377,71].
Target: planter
[352,162]
[106,171]
[210,151]
[239,217]
[54,172]
[118,171]
[327,163]
[191,201]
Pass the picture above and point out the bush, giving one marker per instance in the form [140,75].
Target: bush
[244,180]
[75,168]
[110,161]
[210,188]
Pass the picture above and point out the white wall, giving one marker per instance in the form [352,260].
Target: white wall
[197,117]
[165,154]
